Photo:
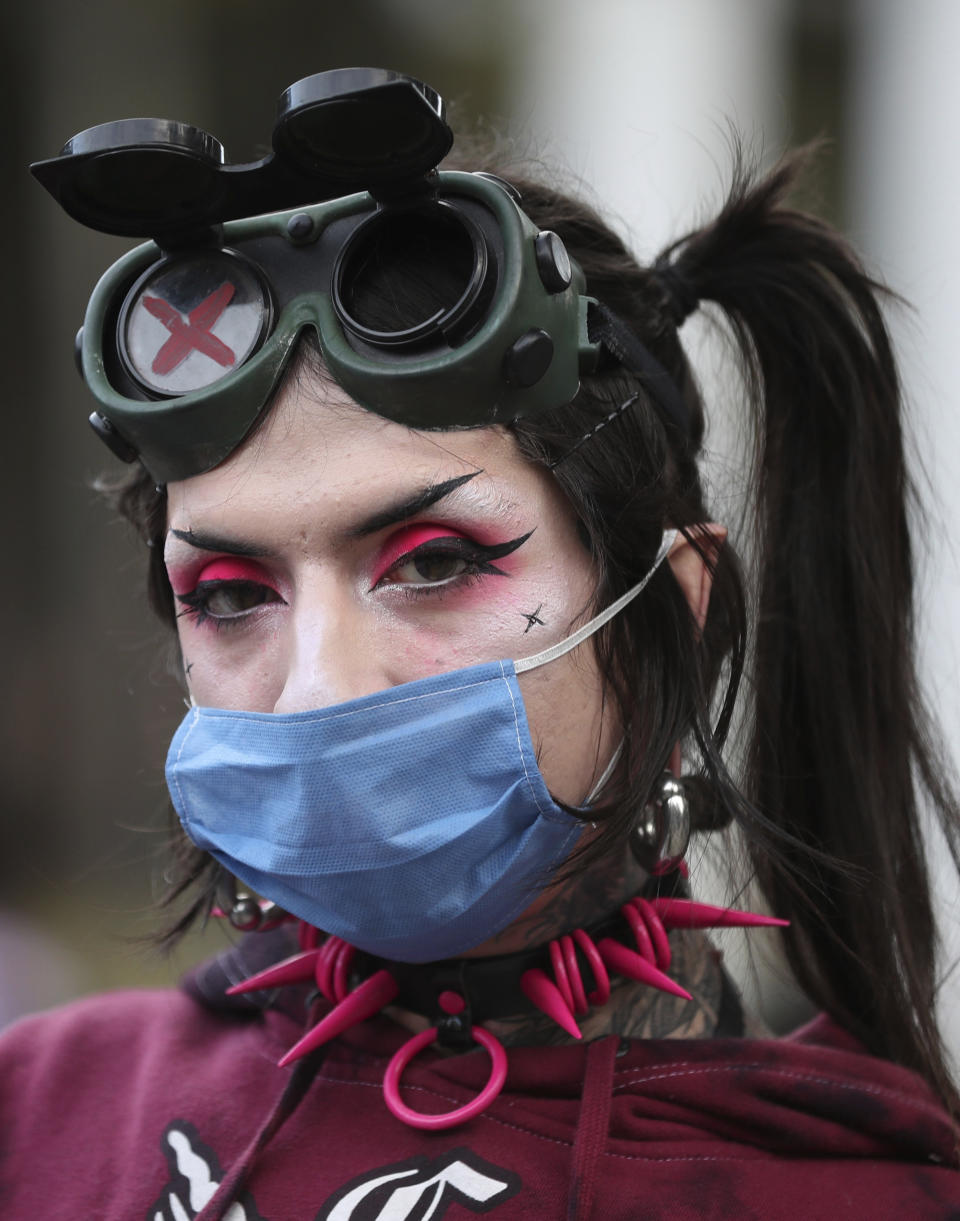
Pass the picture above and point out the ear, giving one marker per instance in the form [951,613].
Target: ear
[691,573]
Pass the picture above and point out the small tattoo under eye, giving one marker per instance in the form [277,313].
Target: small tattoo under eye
[532,618]
[187,667]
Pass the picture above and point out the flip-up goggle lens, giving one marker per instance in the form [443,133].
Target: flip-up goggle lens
[192,320]
[414,276]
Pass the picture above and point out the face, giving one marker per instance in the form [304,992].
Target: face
[337,554]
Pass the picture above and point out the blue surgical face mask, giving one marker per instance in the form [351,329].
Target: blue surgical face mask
[413,823]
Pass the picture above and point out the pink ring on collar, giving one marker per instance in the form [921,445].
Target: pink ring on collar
[447,1119]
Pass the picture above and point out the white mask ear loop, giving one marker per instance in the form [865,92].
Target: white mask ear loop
[607,773]
[588,629]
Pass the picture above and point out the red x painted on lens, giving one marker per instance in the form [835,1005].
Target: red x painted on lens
[194,333]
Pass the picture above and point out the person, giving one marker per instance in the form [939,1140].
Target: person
[418,476]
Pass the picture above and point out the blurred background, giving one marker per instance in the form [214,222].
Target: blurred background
[634,98]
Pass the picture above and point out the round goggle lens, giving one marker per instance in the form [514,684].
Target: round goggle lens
[406,274]
[192,320]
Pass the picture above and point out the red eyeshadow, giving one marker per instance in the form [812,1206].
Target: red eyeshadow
[407,540]
[231,569]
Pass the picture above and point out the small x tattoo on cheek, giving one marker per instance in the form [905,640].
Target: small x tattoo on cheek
[188,665]
[532,618]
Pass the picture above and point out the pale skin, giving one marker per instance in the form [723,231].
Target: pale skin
[296,592]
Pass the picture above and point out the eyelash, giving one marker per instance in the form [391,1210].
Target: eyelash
[197,600]
[478,558]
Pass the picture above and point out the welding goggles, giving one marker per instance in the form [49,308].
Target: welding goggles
[435,300]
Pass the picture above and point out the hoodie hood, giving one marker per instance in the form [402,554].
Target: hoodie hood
[806,1125]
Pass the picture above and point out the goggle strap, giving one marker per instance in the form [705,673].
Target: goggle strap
[621,342]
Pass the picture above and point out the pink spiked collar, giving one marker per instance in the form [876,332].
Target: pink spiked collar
[564,980]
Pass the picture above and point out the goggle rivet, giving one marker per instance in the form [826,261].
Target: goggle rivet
[553,262]
[528,358]
[108,434]
[299,227]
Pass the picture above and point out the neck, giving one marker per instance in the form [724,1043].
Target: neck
[493,987]
[490,974]
[638,1012]
[574,901]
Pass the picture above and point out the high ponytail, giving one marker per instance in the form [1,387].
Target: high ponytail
[839,757]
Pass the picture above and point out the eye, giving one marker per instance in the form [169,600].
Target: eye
[419,555]
[227,590]
[224,599]
[422,558]
[432,566]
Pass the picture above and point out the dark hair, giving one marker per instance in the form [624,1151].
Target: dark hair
[838,750]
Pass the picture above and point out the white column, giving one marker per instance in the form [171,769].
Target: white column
[906,199]
[635,97]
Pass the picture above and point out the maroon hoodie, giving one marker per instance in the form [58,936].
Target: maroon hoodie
[151,1106]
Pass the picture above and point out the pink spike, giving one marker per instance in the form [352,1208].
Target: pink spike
[560,979]
[218,912]
[295,970]
[574,978]
[341,969]
[308,935]
[545,994]
[601,994]
[638,926]
[359,1005]
[683,913]
[325,967]
[662,955]
[626,962]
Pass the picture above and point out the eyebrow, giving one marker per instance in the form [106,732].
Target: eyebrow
[405,509]
[401,511]
[213,542]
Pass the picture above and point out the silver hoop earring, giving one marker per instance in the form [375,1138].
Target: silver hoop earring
[243,911]
[661,834]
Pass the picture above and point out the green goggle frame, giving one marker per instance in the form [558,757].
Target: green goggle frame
[509,339]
